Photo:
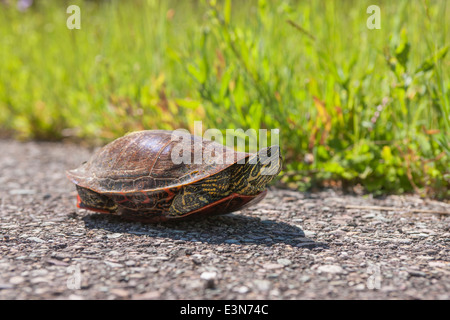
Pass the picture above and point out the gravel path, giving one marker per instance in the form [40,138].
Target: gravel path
[290,246]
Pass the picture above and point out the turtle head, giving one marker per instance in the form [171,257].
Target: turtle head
[259,170]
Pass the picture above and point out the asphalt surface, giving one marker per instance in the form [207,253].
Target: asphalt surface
[292,245]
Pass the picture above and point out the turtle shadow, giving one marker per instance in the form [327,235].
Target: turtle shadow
[231,228]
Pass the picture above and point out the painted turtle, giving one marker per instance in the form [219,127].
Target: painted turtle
[137,177]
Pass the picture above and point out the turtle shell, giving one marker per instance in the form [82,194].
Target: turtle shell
[142,161]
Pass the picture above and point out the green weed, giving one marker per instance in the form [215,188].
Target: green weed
[353,105]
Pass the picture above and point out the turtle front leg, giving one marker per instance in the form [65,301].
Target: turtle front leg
[198,195]
[189,200]
[193,198]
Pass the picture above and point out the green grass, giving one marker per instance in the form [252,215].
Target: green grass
[353,105]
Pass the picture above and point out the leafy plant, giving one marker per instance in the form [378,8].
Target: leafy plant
[352,105]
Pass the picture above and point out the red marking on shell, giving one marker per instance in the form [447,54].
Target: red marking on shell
[147,200]
[125,198]
[170,194]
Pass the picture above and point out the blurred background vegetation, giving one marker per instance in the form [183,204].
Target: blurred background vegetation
[355,107]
